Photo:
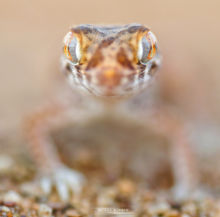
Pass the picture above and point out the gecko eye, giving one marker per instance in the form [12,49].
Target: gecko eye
[147,48]
[72,48]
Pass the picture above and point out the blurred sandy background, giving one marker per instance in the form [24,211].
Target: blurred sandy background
[31,34]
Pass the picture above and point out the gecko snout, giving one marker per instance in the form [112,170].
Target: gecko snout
[109,78]
[110,81]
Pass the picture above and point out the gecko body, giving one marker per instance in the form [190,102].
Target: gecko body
[110,63]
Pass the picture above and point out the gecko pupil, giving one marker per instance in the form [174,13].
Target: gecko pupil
[72,49]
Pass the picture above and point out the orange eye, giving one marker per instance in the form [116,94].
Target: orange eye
[66,52]
[152,40]
[72,48]
[147,48]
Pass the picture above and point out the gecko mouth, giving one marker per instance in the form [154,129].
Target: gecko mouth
[112,84]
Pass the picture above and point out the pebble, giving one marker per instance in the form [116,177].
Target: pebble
[44,211]
[4,209]
[6,163]
[126,187]
[12,196]
[72,213]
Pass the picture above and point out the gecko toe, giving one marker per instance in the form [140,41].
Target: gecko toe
[46,185]
[62,190]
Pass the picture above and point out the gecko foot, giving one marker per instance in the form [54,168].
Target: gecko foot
[65,181]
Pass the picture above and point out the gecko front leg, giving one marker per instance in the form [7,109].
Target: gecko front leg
[183,162]
[52,171]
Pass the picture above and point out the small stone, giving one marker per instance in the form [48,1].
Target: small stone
[190,209]
[158,208]
[4,209]
[6,162]
[10,204]
[12,196]
[44,211]
[173,213]
[72,213]
[30,189]
[56,205]
[185,215]
[126,187]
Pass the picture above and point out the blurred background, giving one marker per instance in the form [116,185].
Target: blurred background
[31,34]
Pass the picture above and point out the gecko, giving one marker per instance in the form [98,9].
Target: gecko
[110,69]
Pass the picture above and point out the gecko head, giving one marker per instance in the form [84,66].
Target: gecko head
[112,61]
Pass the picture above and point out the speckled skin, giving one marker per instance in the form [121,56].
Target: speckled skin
[108,63]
